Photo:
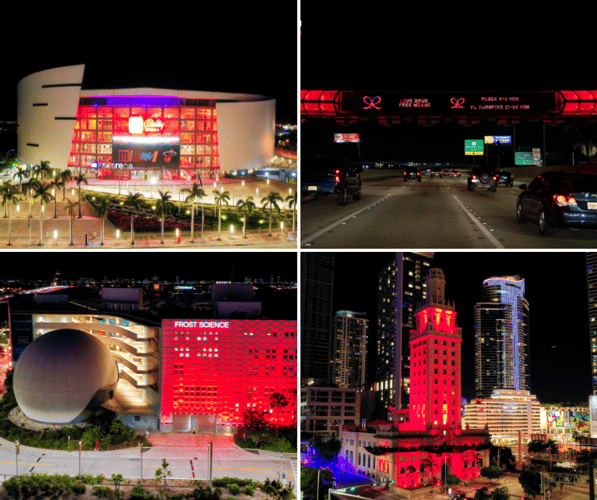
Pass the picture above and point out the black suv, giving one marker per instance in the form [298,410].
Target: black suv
[482,177]
[335,175]
[412,173]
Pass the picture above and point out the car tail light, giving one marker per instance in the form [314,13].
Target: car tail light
[474,176]
[337,175]
[562,200]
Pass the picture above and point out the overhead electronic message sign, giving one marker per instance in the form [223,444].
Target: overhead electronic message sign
[473,147]
[444,103]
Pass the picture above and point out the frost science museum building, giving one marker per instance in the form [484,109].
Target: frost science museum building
[140,133]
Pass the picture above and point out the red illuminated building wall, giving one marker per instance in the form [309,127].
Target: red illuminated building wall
[179,137]
[225,367]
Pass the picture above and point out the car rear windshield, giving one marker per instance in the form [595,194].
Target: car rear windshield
[322,164]
[576,183]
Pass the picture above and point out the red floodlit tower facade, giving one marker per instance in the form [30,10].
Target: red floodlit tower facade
[435,361]
[420,452]
[218,369]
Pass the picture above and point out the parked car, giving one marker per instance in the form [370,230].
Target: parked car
[482,177]
[331,175]
[559,199]
[412,173]
[505,178]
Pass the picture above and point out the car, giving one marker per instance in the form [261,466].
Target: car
[331,175]
[412,173]
[482,177]
[559,199]
[436,171]
[505,178]
[454,173]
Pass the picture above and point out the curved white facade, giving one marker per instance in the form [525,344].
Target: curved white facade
[46,113]
[48,103]
[60,373]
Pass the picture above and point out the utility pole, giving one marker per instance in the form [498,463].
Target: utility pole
[210,447]
[17,446]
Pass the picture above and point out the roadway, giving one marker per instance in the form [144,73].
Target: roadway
[432,214]
[187,461]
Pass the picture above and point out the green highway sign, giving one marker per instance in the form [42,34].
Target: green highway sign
[473,147]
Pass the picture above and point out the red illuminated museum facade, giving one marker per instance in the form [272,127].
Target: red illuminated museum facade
[221,368]
[417,452]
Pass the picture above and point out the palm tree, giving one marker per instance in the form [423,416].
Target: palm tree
[21,174]
[195,192]
[80,179]
[66,176]
[292,201]
[27,188]
[278,400]
[247,207]
[43,170]
[9,197]
[5,188]
[220,197]
[271,200]
[134,202]
[164,207]
[56,184]
[70,207]
[101,209]
[42,191]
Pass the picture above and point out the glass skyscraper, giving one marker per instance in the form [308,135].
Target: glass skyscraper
[502,337]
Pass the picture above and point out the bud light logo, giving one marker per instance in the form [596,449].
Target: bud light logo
[201,324]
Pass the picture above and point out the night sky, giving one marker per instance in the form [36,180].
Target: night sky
[248,48]
[221,266]
[558,307]
[504,46]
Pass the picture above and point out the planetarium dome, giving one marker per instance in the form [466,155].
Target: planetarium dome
[61,374]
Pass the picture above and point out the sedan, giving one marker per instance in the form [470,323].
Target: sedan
[505,178]
[559,199]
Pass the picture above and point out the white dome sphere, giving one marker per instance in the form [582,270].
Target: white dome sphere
[60,373]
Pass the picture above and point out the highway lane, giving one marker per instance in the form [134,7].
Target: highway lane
[433,214]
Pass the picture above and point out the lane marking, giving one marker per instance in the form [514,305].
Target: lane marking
[489,236]
[341,221]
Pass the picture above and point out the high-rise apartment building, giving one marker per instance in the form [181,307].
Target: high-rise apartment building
[502,337]
[401,285]
[349,350]
[317,285]
[592,293]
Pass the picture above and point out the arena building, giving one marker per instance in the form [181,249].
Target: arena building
[140,133]
[173,374]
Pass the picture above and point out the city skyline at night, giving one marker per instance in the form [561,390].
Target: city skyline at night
[558,318]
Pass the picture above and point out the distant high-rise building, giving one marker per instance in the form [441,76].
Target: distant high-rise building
[592,293]
[502,337]
[317,284]
[401,285]
[349,350]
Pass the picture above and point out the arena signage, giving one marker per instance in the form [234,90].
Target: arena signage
[137,125]
[202,324]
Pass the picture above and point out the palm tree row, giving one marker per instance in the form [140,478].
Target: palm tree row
[38,189]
